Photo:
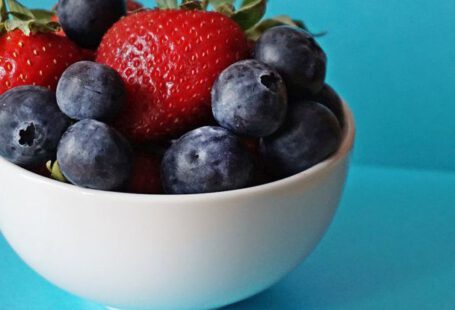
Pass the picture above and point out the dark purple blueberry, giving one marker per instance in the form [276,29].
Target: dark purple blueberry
[31,125]
[310,134]
[91,154]
[249,98]
[205,160]
[89,90]
[330,99]
[86,21]
[296,55]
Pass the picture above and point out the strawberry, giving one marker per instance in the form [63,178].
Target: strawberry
[59,32]
[41,170]
[252,145]
[169,60]
[38,59]
[146,174]
[30,53]
[133,6]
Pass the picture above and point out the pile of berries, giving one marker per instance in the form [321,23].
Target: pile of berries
[176,99]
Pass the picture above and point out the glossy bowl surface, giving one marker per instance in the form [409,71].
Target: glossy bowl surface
[199,251]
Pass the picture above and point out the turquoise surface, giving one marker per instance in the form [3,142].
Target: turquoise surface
[391,245]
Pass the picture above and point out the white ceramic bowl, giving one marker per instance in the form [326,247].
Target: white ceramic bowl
[170,252]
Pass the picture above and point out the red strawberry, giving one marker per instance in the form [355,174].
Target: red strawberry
[60,32]
[41,170]
[252,145]
[146,175]
[169,60]
[38,59]
[132,6]
[30,52]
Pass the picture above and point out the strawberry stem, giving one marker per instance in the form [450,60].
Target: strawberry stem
[56,173]
[249,14]
[192,5]
[167,4]
[16,16]
[3,16]
[3,11]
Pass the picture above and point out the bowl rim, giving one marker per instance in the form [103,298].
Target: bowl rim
[346,146]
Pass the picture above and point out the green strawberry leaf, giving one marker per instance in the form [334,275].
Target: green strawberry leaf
[247,2]
[226,9]
[3,12]
[42,14]
[250,13]
[55,171]
[218,3]
[13,24]
[28,26]
[3,17]
[192,5]
[17,16]
[15,6]
[167,4]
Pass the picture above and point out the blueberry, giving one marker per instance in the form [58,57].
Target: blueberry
[310,134]
[249,98]
[296,55]
[330,99]
[86,21]
[91,154]
[30,125]
[89,90]
[207,159]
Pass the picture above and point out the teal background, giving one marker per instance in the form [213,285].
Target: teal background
[394,62]
[391,245]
